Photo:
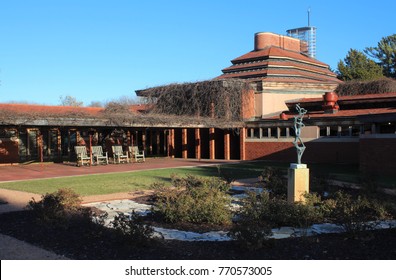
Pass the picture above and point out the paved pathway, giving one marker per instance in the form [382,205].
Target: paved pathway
[52,170]
[14,249]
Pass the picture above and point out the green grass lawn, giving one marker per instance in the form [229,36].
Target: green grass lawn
[139,180]
[101,183]
[128,181]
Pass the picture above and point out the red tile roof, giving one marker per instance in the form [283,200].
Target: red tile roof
[275,62]
[353,113]
[278,53]
[363,105]
[32,108]
[61,110]
[282,73]
[363,97]
[340,113]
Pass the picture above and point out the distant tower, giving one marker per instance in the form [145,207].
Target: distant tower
[307,35]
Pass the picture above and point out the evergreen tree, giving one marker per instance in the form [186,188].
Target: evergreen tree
[357,66]
[385,54]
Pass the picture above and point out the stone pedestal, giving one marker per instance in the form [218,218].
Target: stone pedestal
[298,182]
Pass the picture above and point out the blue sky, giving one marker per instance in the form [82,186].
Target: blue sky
[101,50]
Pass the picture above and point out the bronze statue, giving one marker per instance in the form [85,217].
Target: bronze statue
[298,125]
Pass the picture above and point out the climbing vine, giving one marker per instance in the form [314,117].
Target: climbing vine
[216,99]
[215,103]
[366,87]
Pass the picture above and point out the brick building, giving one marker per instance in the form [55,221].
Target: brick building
[360,129]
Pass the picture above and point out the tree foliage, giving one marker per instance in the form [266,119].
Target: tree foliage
[385,54]
[69,100]
[357,66]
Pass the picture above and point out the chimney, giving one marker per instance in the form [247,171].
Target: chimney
[330,105]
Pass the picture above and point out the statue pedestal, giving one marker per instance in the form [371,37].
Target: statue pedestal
[298,182]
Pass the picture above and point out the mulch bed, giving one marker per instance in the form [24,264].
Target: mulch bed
[94,243]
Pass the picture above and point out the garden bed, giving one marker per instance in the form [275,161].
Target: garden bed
[59,223]
[78,243]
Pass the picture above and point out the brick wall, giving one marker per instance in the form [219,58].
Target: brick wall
[265,39]
[378,155]
[248,104]
[8,151]
[316,152]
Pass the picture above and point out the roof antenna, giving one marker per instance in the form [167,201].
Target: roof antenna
[309,12]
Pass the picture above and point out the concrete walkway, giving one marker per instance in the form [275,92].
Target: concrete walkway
[14,249]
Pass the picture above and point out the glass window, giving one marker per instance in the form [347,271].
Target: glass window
[265,132]
[7,133]
[274,132]
[356,130]
[292,133]
[323,131]
[345,131]
[333,131]
[256,133]
[283,132]
[367,129]
[387,128]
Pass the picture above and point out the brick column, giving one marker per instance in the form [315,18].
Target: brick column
[59,145]
[227,144]
[242,135]
[184,143]
[128,135]
[166,142]
[151,142]
[158,141]
[171,143]
[197,143]
[212,146]
[144,140]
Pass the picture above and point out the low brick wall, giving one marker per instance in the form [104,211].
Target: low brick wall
[316,152]
[378,155]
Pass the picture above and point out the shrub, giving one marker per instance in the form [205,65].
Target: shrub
[191,181]
[261,213]
[193,200]
[251,233]
[226,175]
[279,212]
[251,230]
[319,183]
[57,207]
[133,229]
[356,214]
[274,181]
[217,183]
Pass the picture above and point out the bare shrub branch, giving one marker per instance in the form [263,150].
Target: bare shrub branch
[366,87]
[218,99]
